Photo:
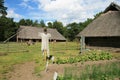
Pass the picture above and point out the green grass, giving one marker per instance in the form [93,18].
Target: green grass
[108,71]
[16,53]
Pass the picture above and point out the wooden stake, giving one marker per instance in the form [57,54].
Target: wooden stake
[45,54]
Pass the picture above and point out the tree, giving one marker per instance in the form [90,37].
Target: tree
[65,32]
[28,22]
[42,24]
[3,8]
[59,26]
[97,15]
[7,28]
[72,30]
[50,25]
[22,22]
[36,24]
[84,24]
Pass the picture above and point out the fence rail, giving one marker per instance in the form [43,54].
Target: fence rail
[12,47]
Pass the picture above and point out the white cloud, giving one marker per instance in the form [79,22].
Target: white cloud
[59,5]
[14,15]
[64,10]
[26,5]
[69,10]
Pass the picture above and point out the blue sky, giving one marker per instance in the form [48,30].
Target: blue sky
[66,11]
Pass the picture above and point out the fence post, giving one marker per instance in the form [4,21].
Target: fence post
[82,44]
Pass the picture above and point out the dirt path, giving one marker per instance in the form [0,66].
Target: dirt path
[26,71]
[23,72]
[52,68]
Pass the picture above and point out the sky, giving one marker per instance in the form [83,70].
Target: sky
[65,11]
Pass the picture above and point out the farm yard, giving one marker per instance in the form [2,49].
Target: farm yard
[18,61]
[84,40]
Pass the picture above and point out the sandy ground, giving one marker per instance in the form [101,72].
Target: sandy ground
[23,72]
[26,71]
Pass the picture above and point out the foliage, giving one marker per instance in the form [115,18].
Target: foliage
[50,25]
[35,23]
[72,30]
[108,71]
[91,56]
[56,25]
[42,23]
[22,22]
[7,28]
[59,26]
[97,15]
[3,8]
[26,22]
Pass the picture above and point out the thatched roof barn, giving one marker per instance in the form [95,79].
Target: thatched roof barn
[105,30]
[31,33]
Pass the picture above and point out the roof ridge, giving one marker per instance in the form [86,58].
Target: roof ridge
[113,4]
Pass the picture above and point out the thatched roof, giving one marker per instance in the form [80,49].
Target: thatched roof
[106,25]
[27,32]
[112,7]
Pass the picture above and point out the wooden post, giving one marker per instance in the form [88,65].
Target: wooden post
[45,53]
[46,61]
[82,44]
[17,38]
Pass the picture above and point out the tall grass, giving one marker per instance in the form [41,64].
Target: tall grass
[108,71]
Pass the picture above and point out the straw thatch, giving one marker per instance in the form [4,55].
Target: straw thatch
[112,7]
[107,24]
[31,33]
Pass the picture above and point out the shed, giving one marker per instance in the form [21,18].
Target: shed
[104,31]
[26,33]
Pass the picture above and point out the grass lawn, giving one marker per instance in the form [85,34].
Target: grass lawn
[15,53]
